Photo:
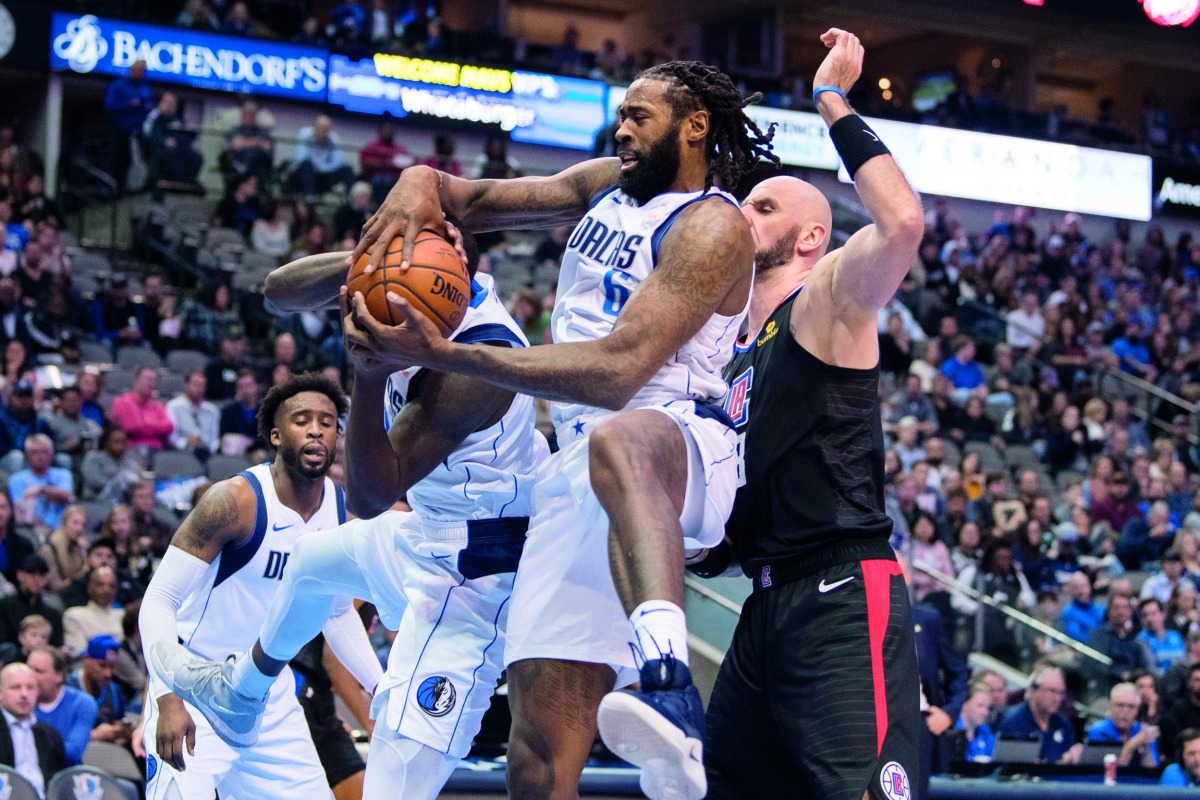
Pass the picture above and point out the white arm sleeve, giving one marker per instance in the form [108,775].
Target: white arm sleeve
[179,575]
[347,638]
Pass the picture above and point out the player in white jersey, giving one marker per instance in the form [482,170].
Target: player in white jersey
[655,282]
[464,453]
[225,564]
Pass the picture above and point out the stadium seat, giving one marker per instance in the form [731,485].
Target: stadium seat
[170,384]
[95,352]
[185,361]
[134,358]
[989,457]
[96,512]
[953,457]
[119,381]
[222,467]
[218,239]
[113,759]
[87,782]
[15,786]
[1022,456]
[174,464]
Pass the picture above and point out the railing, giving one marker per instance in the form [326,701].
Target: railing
[89,198]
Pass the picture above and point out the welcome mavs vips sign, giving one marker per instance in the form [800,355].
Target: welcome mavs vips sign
[91,45]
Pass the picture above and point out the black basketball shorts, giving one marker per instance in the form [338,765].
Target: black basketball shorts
[818,696]
[339,757]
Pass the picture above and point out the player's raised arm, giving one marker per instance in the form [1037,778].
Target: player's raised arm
[869,268]
[423,197]
[705,263]
[307,284]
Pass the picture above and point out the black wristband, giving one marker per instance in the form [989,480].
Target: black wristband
[714,563]
[856,143]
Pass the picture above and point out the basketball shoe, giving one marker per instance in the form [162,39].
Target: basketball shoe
[208,686]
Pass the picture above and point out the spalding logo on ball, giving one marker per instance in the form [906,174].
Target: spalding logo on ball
[435,284]
[436,696]
[1172,12]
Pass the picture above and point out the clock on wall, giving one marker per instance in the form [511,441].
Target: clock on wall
[8,31]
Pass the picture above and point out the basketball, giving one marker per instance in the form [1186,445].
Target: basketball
[436,282]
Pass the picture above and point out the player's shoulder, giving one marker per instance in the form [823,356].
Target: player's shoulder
[714,213]
[231,501]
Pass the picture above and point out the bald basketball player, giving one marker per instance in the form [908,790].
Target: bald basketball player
[818,694]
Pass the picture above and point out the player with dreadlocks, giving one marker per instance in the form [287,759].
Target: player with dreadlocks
[654,286]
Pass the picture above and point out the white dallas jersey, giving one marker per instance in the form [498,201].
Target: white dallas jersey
[490,475]
[611,251]
[225,615]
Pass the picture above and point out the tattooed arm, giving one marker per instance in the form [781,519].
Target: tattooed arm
[704,266]
[307,284]
[422,197]
[224,515]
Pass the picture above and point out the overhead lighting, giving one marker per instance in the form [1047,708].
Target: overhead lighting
[995,63]
[885,83]
[1172,12]
[1034,2]
[887,94]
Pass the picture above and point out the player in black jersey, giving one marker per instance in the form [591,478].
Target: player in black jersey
[818,695]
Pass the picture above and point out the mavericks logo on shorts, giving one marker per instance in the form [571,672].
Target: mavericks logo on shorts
[151,767]
[894,781]
[436,696]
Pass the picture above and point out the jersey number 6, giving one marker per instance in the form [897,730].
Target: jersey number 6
[615,294]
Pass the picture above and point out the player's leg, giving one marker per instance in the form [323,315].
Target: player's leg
[283,764]
[399,767]
[640,466]
[553,706]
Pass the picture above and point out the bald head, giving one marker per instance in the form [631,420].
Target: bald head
[790,219]
[18,690]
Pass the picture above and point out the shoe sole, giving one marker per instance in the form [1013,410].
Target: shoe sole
[228,735]
[671,762]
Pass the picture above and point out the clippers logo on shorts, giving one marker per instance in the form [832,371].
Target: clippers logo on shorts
[894,782]
[151,767]
[764,577]
[276,561]
[738,403]
[87,787]
[436,696]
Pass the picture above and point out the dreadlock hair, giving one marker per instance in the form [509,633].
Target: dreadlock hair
[735,143]
[304,382]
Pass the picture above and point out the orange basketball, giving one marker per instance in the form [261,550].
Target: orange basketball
[436,282]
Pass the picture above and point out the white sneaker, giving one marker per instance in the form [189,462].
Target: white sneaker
[208,686]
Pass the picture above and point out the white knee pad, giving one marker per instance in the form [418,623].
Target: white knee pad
[401,767]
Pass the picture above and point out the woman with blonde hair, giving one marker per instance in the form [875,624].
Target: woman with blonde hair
[119,526]
[1163,454]
[1188,545]
[65,550]
[1095,413]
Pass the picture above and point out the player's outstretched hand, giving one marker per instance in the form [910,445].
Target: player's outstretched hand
[843,64]
[413,205]
[416,343]
[175,731]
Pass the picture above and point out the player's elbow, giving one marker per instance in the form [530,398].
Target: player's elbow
[363,504]
[907,227]
[275,289]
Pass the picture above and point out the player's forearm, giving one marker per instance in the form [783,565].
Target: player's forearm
[308,283]
[373,474]
[591,373]
[348,642]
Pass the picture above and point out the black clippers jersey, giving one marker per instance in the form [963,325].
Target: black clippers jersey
[811,451]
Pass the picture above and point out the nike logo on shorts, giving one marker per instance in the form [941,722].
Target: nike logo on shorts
[829,587]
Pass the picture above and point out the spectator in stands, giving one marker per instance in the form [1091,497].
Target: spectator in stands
[1118,507]
[239,427]
[495,162]
[65,550]
[144,418]
[269,234]
[1179,500]
[108,471]
[240,208]
[1117,641]
[102,553]
[895,348]
[1185,451]
[352,215]
[95,677]
[1165,644]
[1148,540]
[16,235]
[1039,718]
[1147,687]
[116,317]
[319,164]
[29,599]
[382,161]
[1121,727]
[1068,447]
[1120,417]
[35,205]
[568,58]
[148,527]
[101,615]
[196,421]
[349,18]
[443,156]
[13,546]
[237,21]
[198,15]
[1082,614]
[91,386]
[1132,352]
[961,368]
[13,315]
[41,491]
[208,319]
[1026,325]
[1183,713]
[1001,582]
[32,748]
[34,632]
[170,147]
[1185,773]
[222,374]
[250,149]
[127,101]
[73,433]
[972,721]
[907,445]
[67,709]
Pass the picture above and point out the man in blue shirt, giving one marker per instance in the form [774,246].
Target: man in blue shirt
[1166,645]
[961,368]
[1186,773]
[127,102]
[1082,615]
[15,235]
[319,163]
[1039,718]
[1122,727]
[70,711]
[1134,357]
[981,742]
[95,678]
[47,490]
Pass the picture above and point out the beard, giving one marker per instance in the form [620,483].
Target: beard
[777,254]
[291,457]
[655,171]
